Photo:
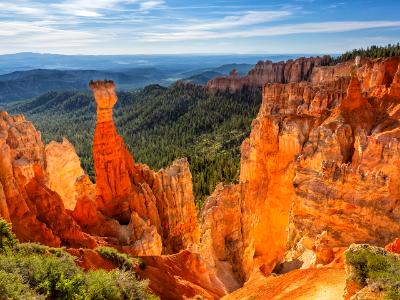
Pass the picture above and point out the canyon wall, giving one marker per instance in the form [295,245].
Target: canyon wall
[297,70]
[321,161]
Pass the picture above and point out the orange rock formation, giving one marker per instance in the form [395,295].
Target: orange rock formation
[63,171]
[318,172]
[322,156]
[318,284]
[37,213]
[145,211]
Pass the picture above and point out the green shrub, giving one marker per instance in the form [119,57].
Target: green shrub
[102,285]
[373,265]
[7,238]
[122,260]
[12,287]
[116,284]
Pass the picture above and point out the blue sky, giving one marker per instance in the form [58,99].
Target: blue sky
[197,26]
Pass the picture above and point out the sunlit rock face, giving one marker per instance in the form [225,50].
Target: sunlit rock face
[158,207]
[322,156]
[297,70]
[37,213]
[63,171]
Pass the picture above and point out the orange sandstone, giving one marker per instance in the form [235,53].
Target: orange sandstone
[322,156]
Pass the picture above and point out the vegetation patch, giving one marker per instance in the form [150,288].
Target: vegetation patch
[122,260]
[31,271]
[375,267]
[371,52]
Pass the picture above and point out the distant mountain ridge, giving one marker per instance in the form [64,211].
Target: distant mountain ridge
[179,63]
[28,75]
[208,74]
[22,85]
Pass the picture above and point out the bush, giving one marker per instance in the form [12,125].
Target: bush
[375,266]
[7,238]
[122,260]
[116,284]
[12,287]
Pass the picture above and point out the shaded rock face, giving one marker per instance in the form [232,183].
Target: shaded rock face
[157,207]
[300,69]
[321,157]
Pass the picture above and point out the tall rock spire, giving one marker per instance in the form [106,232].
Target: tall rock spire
[112,162]
[132,192]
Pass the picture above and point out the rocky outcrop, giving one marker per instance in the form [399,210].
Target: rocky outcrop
[63,171]
[322,157]
[37,213]
[297,70]
[181,276]
[394,246]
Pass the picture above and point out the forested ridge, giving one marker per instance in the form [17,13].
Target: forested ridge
[159,125]
[371,52]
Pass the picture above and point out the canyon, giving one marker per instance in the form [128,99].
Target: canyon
[317,174]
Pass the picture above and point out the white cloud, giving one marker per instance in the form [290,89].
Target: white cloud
[149,5]
[250,18]
[16,28]
[20,8]
[86,13]
[269,31]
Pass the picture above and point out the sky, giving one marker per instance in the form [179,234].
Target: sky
[197,26]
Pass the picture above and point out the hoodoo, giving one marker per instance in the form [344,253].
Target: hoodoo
[112,161]
[158,208]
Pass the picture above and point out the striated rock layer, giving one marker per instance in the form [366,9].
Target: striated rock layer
[297,70]
[322,157]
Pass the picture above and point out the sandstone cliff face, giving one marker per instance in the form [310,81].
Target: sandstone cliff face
[37,213]
[322,157]
[300,69]
[63,171]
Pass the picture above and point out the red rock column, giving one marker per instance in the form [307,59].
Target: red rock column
[112,161]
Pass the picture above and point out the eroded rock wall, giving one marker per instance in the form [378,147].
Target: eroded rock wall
[297,70]
[322,157]
[37,213]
